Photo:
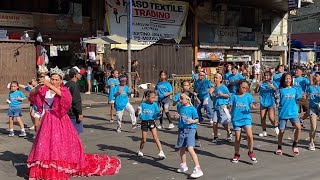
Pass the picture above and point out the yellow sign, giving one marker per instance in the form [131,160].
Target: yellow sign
[16,20]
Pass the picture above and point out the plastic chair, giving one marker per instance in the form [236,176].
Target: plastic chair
[95,86]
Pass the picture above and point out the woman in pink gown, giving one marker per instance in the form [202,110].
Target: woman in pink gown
[57,151]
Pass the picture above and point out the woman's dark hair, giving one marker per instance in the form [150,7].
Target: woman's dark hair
[163,72]
[112,74]
[277,68]
[148,92]
[235,67]
[196,68]
[15,82]
[226,68]
[283,79]
[184,82]
[267,73]
[240,82]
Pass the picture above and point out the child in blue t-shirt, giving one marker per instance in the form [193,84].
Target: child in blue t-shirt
[176,101]
[149,111]
[33,109]
[277,76]
[122,102]
[111,84]
[221,115]
[240,105]
[164,91]
[267,89]
[288,110]
[202,87]
[15,100]
[313,94]
[227,75]
[188,119]
[234,79]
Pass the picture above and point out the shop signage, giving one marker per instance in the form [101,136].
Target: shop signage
[216,55]
[247,37]
[16,20]
[226,34]
[294,4]
[3,33]
[152,19]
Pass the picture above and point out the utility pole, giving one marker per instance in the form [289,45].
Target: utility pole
[129,32]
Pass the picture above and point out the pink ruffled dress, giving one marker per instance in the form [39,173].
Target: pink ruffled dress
[57,151]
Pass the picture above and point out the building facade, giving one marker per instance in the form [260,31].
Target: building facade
[305,33]
[60,23]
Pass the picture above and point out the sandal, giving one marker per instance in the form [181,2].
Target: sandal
[279,152]
[295,151]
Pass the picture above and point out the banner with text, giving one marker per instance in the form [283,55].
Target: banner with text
[151,19]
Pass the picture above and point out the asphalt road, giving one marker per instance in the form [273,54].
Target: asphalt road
[100,137]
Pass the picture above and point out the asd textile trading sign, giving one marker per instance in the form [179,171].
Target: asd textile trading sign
[151,19]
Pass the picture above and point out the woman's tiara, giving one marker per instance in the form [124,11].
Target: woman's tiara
[58,71]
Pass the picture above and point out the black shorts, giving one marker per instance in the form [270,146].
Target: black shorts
[145,125]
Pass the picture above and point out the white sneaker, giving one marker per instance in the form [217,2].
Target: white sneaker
[276,130]
[264,134]
[31,128]
[22,134]
[183,168]
[160,126]
[87,93]
[161,155]
[118,129]
[197,172]
[211,121]
[229,137]
[140,154]
[11,134]
[171,126]
[312,147]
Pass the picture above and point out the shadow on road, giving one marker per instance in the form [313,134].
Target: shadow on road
[17,160]
[131,155]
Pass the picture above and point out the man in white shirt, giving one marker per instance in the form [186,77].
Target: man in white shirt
[257,71]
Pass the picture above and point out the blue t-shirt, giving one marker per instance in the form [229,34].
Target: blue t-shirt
[219,100]
[301,83]
[149,111]
[227,75]
[187,112]
[162,88]
[314,95]
[122,99]
[267,94]
[12,97]
[314,72]
[277,78]
[240,111]
[233,78]
[176,97]
[288,107]
[112,83]
[202,88]
[195,76]
[27,88]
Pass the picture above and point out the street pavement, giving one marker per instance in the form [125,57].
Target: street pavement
[100,137]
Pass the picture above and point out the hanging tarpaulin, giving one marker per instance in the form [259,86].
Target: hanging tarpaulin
[152,19]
